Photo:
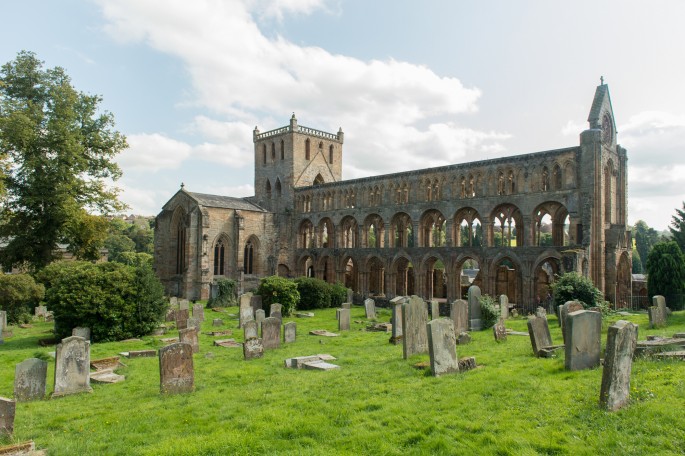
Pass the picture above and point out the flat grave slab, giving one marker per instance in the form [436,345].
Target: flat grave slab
[299,361]
[322,332]
[228,343]
[106,376]
[105,363]
[139,354]
[320,365]
[227,332]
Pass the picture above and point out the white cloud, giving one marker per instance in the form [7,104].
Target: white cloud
[153,152]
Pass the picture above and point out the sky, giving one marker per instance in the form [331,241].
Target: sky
[412,84]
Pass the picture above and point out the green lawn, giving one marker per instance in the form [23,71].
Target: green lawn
[377,403]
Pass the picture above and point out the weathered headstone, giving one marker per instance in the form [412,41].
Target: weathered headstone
[184,304]
[253,348]
[343,316]
[541,312]
[189,336]
[396,319]
[370,308]
[540,336]
[173,301]
[564,310]
[618,363]
[583,340]
[193,322]
[435,310]
[271,333]
[499,331]
[250,330]
[176,371]
[474,308]
[245,300]
[40,311]
[246,312]
[199,312]
[657,317]
[217,322]
[459,314]
[504,306]
[7,410]
[170,315]
[350,295]
[72,366]
[463,338]
[276,311]
[260,315]
[346,305]
[442,347]
[289,332]
[3,320]
[182,319]
[659,301]
[30,378]
[414,324]
[256,303]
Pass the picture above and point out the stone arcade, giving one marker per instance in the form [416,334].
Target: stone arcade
[431,232]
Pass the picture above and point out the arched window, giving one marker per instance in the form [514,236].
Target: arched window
[264,153]
[545,180]
[307,153]
[556,178]
[268,189]
[180,249]
[278,188]
[219,252]
[318,180]
[248,258]
[330,154]
[282,150]
[273,152]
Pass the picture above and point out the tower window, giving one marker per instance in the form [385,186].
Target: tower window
[330,154]
[306,150]
[282,150]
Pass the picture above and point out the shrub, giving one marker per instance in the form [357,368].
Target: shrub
[489,311]
[19,294]
[280,290]
[225,295]
[114,300]
[338,294]
[314,293]
[666,272]
[574,287]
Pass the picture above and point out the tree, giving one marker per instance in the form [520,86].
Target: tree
[19,295]
[645,238]
[572,286]
[57,150]
[666,271]
[637,263]
[677,227]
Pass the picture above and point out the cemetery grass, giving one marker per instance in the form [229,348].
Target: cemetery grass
[376,403]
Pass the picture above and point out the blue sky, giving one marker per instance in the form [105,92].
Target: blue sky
[412,84]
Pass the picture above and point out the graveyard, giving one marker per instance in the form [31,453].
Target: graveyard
[379,400]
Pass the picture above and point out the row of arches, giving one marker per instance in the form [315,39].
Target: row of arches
[549,225]
[277,189]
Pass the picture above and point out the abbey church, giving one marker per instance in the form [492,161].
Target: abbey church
[508,225]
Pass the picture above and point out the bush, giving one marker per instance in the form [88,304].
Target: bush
[574,287]
[666,272]
[280,290]
[225,295]
[314,293]
[114,300]
[489,311]
[19,294]
[338,295]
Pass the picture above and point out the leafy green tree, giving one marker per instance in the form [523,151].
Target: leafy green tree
[19,294]
[645,238]
[314,293]
[677,227]
[637,262]
[574,287]
[117,244]
[58,152]
[666,271]
[275,289]
[490,311]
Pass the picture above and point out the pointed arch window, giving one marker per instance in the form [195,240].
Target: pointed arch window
[307,152]
[248,258]
[268,189]
[330,154]
[264,154]
[273,151]
[282,150]
[278,188]
[219,257]
[180,249]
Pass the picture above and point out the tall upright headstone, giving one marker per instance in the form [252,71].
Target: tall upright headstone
[618,363]
[245,299]
[289,332]
[504,306]
[173,301]
[564,310]
[30,379]
[7,410]
[350,295]
[370,308]
[343,316]
[189,336]
[276,311]
[459,314]
[657,313]
[435,310]
[475,323]
[3,320]
[176,371]
[256,303]
[259,315]
[72,366]
[540,337]
[583,340]
[250,330]
[414,324]
[396,319]
[199,312]
[182,318]
[184,304]
[246,312]
[442,347]
[271,333]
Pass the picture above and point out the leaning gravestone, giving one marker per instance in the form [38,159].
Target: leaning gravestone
[246,312]
[396,319]
[583,340]
[271,333]
[30,378]
[189,336]
[414,324]
[7,410]
[540,337]
[618,363]
[250,330]
[276,311]
[199,312]
[343,316]
[289,332]
[474,308]
[182,319]
[442,347]
[564,310]
[253,348]
[435,310]
[370,308]
[459,314]
[176,372]
[504,306]
[256,303]
[72,366]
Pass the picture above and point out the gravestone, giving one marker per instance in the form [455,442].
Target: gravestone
[276,311]
[189,336]
[193,322]
[245,300]
[343,316]
[176,372]
[199,312]
[217,322]
[246,312]
[72,366]
[504,306]
[253,348]
[370,308]
[173,301]
[350,295]
[414,324]
[474,308]
[256,303]
[260,315]
[396,319]
[182,319]
[442,347]
[541,312]
[564,310]
[657,301]
[618,363]
[184,304]
[7,410]
[459,314]
[657,316]
[435,310]
[30,379]
[540,337]
[250,330]
[346,305]
[170,315]
[3,320]
[499,331]
[583,344]
[463,338]
[289,332]
[40,311]
[271,333]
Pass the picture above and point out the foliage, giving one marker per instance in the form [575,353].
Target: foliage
[19,294]
[677,227]
[135,259]
[117,244]
[114,300]
[574,287]
[666,270]
[225,295]
[637,263]
[58,155]
[489,311]
[338,294]
[275,289]
[645,239]
[128,237]
[314,293]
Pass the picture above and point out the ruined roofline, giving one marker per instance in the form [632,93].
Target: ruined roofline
[257,136]
[452,167]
